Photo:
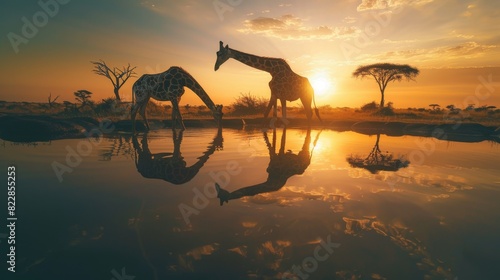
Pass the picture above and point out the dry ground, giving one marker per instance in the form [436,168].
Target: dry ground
[162,112]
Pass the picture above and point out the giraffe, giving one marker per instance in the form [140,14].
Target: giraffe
[169,86]
[282,165]
[171,167]
[285,84]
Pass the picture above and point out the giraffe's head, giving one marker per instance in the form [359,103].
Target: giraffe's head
[217,112]
[222,55]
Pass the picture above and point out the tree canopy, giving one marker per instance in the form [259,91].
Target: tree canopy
[383,73]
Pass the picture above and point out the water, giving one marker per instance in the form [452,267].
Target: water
[321,208]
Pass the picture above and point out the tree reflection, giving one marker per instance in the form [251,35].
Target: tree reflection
[282,165]
[120,146]
[377,161]
[171,166]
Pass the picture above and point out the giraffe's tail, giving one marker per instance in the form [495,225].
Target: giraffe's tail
[316,111]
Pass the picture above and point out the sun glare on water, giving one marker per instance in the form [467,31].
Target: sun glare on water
[322,84]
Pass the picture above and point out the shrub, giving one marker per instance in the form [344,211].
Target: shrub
[386,111]
[368,107]
[247,104]
[105,106]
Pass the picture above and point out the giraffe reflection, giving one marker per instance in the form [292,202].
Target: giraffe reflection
[171,167]
[282,165]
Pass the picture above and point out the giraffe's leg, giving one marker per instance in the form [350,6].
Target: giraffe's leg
[178,116]
[142,111]
[174,115]
[275,110]
[133,113]
[283,112]
[182,122]
[272,102]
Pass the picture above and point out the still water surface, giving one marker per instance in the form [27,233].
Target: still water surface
[295,205]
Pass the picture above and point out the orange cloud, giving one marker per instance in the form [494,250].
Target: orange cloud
[289,27]
[464,50]
[389,4]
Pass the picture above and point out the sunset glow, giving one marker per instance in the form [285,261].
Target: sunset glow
[453,43]
[250,139]
[322,84]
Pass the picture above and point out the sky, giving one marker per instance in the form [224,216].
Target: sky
[47,47]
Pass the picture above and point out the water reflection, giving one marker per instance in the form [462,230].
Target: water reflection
[171,166]
[377,161]
[118,145]
[282,165]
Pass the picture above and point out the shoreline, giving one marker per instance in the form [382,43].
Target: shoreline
[40,128]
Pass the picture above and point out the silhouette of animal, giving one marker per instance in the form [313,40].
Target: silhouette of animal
[169,86]
[285,84]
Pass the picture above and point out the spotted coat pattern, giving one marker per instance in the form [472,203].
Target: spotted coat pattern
[169,86]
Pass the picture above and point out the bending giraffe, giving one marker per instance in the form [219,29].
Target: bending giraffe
[169,86]
[285,84]
[282,165]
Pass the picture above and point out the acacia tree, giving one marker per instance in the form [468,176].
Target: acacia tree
[83,96]
[117,76]
[383,73]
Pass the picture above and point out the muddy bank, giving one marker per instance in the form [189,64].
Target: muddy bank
[43,128]
[46,128]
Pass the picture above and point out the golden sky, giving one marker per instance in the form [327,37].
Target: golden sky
[455,44]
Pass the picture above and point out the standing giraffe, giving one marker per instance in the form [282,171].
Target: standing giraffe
[169,86]
[285,84]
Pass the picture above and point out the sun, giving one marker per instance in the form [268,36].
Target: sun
[321,83]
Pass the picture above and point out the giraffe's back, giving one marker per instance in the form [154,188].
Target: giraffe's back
[164,86]
[290,86]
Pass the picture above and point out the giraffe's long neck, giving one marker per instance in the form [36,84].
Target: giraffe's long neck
[193,85]
[267,64]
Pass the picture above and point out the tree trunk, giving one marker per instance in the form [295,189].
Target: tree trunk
[382,99]
[117,94]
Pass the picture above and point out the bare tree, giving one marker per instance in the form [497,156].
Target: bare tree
[52,101]
[383,73]
[117,76]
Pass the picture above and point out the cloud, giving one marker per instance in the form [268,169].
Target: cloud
[398,42]
[289,27]
[454,33]
[463,51]
[349,20]
[389,4]
[468,12]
